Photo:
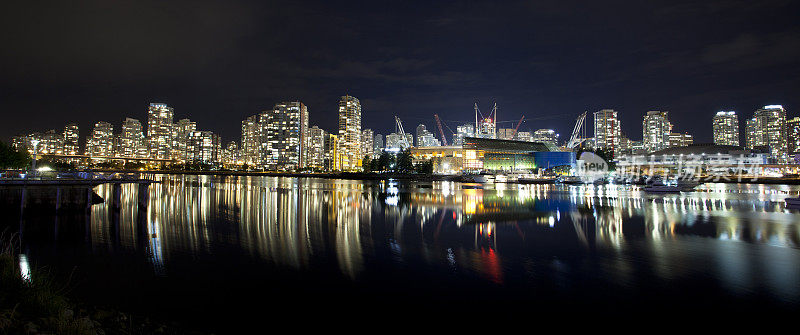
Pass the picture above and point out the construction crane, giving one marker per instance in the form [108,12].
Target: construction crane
[403,139]
[578,133]
[441,132]
[518,124]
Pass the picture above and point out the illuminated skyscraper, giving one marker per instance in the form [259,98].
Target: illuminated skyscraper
[284,136]
[131,140]
[230,154]
[202,147]
[752,134]
[506,133]
[101,142]
[71,139]
[607,131]
[316,148]
[159,130]
[793,135]
[332,155]
[367,142]
[249,151]
[180,135]
[771,128]
[655,130]
[350,133]
[726,128]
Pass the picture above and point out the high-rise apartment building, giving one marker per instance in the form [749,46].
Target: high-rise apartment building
[159,130]
[367,142]
[284,136]
[726,128]
[71,139]
[180,135]
[793,136]
[249,151]
[132,142]
[752,134]
[333,160]
[350,133]
[101,142]
[202,147]
[771,131]
[655,130]
[607,131]
[316,148]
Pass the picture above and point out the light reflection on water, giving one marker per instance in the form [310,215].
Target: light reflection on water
[740,235]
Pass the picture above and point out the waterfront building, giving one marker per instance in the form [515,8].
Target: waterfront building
[367,142]
[316,148]
[726,128]
[101,141]
[793,136]
[249,151]
[132,142]
[159,130]
[462,131]
[350,133]
[680,140]
[545,136]
[377,145]
[284,136]
[202,147]
[607,131]
[770,131]
[696,159]
[655,130]
[477,154]
[180,135]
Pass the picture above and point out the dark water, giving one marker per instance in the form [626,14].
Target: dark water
[224,253]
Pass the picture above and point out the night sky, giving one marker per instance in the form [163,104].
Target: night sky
[219,62]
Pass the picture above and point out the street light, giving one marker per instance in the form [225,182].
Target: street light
[35,143]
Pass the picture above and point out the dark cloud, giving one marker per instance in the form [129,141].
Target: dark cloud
[217,62]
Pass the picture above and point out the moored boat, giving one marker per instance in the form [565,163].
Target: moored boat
[792,202]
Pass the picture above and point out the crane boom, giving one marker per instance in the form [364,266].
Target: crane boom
[441,132]
[404,139]
[518,124]
[578,132]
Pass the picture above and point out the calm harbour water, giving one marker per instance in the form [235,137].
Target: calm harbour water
[209,248]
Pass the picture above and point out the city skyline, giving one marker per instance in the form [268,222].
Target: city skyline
[537,60]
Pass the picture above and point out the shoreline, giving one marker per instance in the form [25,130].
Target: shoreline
[418,177]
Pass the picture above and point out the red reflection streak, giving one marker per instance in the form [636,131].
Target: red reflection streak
[492,265]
